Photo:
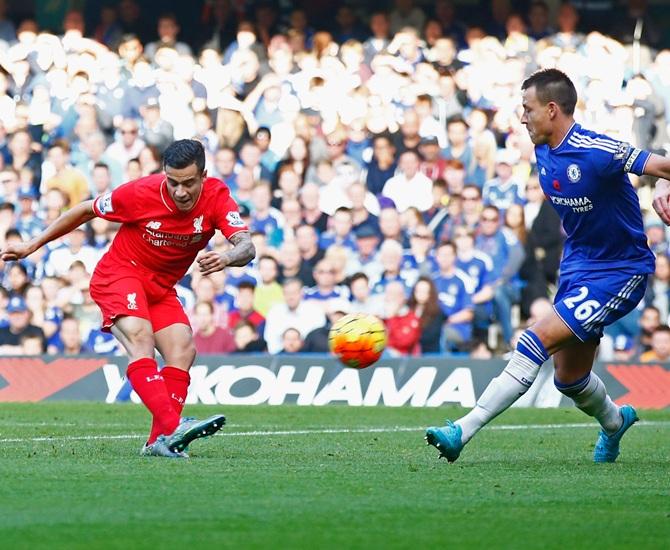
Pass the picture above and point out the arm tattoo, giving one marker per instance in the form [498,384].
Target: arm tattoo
[243,250]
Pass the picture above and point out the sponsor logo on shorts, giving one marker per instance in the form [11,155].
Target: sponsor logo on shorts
[132,300]
[574,173]
[234,219]
[197,224]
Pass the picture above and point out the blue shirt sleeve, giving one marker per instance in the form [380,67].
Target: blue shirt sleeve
[624,159]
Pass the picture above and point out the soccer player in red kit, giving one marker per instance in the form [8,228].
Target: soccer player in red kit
[166,221]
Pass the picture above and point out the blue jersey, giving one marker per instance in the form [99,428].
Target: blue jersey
[453,295]
[479,269]
[586,180]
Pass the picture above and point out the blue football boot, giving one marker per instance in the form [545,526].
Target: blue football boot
[607,446]
[447,440]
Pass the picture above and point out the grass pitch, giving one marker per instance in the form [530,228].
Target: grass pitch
[330,477]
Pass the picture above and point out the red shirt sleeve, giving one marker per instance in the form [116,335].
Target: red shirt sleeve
[119,205]
[228,219]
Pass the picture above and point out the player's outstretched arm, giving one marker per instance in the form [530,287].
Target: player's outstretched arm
[242,253]
[81,213]
[659,167]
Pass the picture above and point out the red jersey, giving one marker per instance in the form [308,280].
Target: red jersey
[155,235]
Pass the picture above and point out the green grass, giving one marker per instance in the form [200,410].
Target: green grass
[376,489]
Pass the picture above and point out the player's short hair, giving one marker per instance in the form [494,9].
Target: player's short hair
[553,85]
[183,153]
[101,164]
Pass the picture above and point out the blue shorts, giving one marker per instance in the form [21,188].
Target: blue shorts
[588,301]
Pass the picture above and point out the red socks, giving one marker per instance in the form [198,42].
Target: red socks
[149,384]
[176,384]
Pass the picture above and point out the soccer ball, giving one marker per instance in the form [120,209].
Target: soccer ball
[357,340]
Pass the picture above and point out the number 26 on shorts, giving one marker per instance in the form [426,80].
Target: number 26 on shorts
[584,309]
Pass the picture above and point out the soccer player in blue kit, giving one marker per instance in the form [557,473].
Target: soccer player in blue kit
[603,273]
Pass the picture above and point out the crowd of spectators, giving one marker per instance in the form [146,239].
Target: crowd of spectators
[379,162]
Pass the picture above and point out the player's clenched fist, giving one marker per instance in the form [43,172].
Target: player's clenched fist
[16,252]
[661,201]
[211,262]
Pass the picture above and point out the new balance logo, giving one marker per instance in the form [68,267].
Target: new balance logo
[154,225]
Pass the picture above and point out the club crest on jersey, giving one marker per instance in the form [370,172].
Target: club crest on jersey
[154,225]
[132,300]
[197,224]
[234,219]
[574,173]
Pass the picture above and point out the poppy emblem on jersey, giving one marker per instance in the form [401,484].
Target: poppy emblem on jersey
[574,173]
[153,225]
[557,185]
[132,300]
[234,219]
[197,224]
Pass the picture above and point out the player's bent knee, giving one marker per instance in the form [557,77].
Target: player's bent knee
[183,357]
[140,343]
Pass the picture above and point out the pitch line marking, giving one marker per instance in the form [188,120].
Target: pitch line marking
[392,429]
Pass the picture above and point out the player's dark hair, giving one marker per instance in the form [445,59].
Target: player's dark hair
[662,328]
[100,164]
[183,153]
[553,85]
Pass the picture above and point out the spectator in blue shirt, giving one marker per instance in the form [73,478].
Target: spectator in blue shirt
[265,218]
[503,190]
[341,232]
[383,165]
[455,300]
[390,258]
[508,255]
[325,288]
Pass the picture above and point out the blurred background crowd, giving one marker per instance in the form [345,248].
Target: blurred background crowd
[374,148]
